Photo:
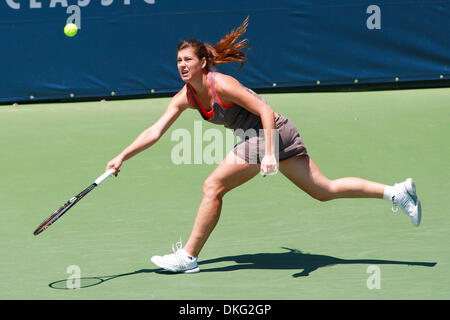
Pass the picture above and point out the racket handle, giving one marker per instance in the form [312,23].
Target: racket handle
[104,176]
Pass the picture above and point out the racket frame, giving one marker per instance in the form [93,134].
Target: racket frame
[71,202]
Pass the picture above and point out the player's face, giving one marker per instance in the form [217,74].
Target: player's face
[189,65]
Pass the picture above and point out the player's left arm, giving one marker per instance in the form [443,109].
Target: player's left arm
[231,91]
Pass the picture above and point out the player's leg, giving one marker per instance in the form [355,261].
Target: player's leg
[304,173]
[229,174]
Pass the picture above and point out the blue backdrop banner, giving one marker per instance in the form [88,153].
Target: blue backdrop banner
[128,47]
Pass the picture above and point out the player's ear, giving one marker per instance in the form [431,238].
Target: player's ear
[203,65]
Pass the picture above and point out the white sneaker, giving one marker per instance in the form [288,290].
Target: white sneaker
[406,198]
[178,261]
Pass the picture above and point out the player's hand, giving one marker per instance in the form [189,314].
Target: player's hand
[115,164]
[269,165]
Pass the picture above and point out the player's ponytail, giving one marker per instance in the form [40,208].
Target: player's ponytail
[225,51]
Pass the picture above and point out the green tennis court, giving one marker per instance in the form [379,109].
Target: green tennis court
[273,241]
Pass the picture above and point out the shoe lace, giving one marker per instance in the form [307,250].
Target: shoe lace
[178,245]
[403,203]
[394,205]
[176,248]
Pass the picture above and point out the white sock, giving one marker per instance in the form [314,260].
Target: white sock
[188,255]
[389,192]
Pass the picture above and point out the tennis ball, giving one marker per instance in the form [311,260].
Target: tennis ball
[70,29]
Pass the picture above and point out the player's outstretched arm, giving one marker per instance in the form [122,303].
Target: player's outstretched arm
[151,135]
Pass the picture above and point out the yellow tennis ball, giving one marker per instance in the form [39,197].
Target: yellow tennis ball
[70,29]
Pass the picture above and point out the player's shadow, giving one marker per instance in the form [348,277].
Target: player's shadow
[86,282]
[291,259]
[295,260]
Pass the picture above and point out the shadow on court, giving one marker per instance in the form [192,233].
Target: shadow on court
[86,282]
[295,260]
[292,259]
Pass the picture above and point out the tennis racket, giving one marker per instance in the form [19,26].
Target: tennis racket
[69,204]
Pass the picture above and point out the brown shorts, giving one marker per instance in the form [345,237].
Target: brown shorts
[290,144]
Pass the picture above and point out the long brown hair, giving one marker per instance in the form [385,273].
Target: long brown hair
[225,51]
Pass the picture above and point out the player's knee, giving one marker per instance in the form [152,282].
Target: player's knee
[325,193]
[213,188]
[328,192]
[322,196]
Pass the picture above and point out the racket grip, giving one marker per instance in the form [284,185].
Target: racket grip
[104,176]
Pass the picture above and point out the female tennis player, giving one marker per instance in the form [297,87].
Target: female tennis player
[222,100]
